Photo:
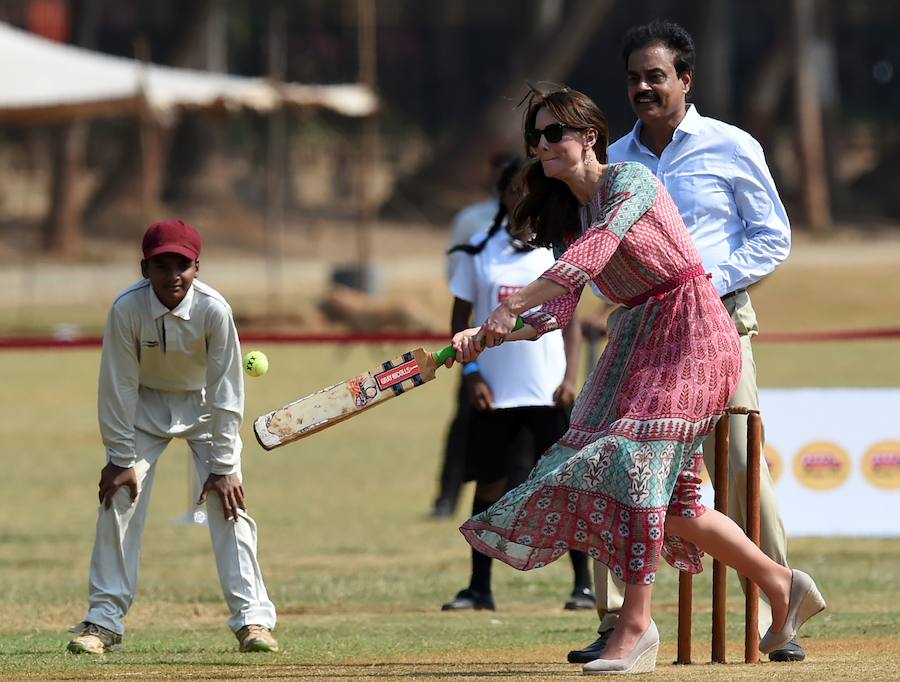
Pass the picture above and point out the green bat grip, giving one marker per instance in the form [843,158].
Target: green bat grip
[444,354]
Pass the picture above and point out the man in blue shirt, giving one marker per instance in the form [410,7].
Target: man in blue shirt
[718,177]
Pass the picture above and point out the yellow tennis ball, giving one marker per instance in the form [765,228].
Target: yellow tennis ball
[256,363]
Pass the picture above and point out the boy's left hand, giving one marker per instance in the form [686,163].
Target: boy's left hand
[230,491]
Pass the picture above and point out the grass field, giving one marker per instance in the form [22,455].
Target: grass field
[355,566]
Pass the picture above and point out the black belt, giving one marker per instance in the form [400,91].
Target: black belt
[732,294]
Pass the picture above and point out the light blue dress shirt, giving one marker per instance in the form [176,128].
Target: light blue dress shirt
[718,177]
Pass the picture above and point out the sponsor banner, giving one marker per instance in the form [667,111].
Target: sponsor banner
[834,456]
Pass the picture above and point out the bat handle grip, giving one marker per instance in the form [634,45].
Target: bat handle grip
[444,354]
[441,356]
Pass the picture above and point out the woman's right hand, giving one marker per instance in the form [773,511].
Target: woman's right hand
[467,344]
[499,324]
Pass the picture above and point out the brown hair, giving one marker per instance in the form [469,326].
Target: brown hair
[548,211]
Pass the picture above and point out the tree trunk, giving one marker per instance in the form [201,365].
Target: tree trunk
[189,163]
[552,63]
[497,127]
[830,96]
[126,181]
[814,176]
[716,73]
[767,89]
[63,227]
[276,157]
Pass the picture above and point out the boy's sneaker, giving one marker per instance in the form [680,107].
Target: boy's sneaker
[93,639]
[256,638]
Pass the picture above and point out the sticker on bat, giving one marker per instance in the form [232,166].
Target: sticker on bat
[396,375]
[361,392]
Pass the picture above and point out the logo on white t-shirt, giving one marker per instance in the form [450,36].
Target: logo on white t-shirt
[504,291]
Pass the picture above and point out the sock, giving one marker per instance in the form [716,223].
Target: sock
[481,563]
[581,569]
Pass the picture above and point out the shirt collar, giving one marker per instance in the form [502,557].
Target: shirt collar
[692,121]
[182,310]
[690,125]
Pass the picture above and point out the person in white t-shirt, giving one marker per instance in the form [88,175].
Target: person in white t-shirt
[515,391]
[477,217]
[468,222]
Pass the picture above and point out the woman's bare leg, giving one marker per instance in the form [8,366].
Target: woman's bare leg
[722,538]
[634,619]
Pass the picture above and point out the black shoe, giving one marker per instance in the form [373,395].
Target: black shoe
[592,651]
[442,509]
[582,598]
[790,653]
[472,600]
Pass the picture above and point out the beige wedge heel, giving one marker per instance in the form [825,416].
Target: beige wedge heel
[642,658]
[805,602]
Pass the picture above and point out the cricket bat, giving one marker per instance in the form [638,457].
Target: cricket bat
[334,404]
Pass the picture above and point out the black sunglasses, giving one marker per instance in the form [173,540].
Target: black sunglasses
[551,133]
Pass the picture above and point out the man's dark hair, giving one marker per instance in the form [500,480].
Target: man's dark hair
[661,32]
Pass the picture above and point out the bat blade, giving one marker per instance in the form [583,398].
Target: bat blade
[336,403]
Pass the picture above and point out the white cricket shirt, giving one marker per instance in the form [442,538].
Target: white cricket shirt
[164,371]
[520,373]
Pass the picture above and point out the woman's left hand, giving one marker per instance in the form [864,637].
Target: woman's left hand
[498,325]
[467,345]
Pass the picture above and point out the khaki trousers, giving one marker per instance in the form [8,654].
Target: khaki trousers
[610,590]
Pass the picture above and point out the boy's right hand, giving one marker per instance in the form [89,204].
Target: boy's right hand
[112,478]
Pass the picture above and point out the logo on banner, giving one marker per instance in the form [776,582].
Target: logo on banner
[774,462]
[822,465]
[881,465]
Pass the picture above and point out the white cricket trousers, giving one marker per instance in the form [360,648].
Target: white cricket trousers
[117,546]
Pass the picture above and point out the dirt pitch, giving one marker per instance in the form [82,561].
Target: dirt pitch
[847,660]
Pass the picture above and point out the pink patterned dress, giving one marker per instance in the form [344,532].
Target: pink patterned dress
[672,361]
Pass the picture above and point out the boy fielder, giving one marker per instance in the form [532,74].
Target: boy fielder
[171,368]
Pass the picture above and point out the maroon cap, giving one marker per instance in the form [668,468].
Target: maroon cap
[172,236]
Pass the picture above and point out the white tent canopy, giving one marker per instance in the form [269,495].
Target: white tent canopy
[41,81]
